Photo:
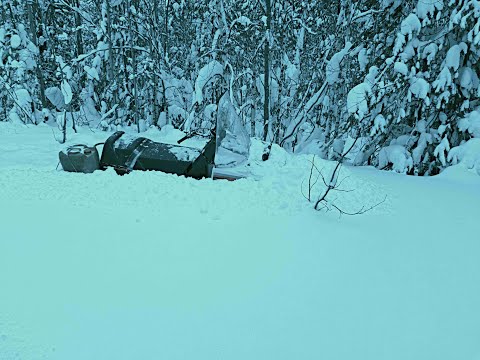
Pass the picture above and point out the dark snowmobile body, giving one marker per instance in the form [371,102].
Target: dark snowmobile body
[125,154]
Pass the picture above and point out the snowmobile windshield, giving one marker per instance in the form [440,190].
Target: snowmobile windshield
[233,141]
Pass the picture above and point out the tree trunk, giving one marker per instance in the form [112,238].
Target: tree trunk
[64,128]
[13,18]
[79,38]
[165,40]
[111,59]
[266,65]
[110,42]
[134,68]
[3,9]
[32,10]
[155,53]
[165,59]
[78,24]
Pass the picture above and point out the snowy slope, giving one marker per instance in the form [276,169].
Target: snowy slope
[155,266]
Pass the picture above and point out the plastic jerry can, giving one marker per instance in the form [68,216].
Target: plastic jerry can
[80,158]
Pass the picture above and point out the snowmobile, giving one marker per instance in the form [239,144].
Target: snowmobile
[227,148]
[126,153]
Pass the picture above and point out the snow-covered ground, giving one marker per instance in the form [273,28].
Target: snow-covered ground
[156,266]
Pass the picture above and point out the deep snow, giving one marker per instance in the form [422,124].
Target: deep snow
[155,266]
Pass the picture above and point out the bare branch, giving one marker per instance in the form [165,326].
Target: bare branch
[332,184]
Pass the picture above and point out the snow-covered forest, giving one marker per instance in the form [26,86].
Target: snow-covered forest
[401,77]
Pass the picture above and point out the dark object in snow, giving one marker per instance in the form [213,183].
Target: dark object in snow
[80,158]
[126,153]
[266,153]
[227,149]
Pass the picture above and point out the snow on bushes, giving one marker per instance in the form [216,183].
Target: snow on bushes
[396,156]
[333,66]
[378,124]
[15,41]
[410,26]
[468,81]
[357,100]
[401,68]
[467,155]
[205,76]
[429,52]
[441,149]
[427,8]
[419,88]
[21,111]
[55,96]
[443,81]
[471,124]
[452,60]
